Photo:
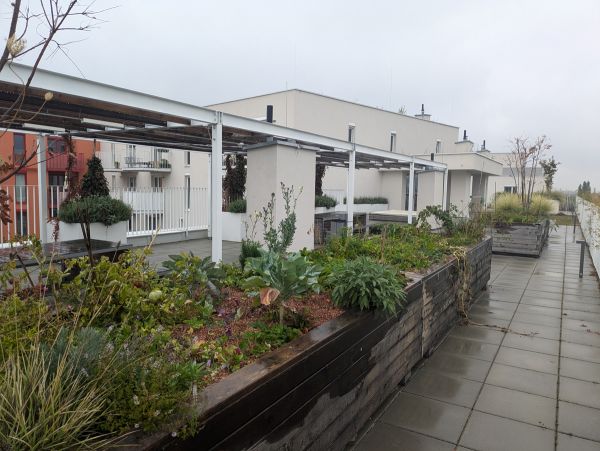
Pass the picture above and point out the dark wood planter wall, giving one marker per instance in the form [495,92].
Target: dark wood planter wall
[318,391]
[520,239]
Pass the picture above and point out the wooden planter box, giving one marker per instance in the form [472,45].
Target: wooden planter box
[318,391]
[520,239]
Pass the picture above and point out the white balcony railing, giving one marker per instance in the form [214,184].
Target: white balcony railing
[589,220]
[162,210]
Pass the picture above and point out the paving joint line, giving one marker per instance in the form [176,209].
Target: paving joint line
[562,303]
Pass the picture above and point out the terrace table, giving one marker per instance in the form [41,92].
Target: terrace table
[64,250]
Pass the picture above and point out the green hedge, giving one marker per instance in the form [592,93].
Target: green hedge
[325,201]
[102,209]
[237,206]
[369,200]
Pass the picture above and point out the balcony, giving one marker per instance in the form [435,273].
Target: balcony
[58,162]
[149,160]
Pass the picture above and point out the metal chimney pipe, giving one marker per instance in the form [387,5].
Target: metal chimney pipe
[465,135]
[270,113]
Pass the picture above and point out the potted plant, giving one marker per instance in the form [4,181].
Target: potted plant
[91,212]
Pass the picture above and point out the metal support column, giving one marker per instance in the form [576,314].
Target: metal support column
[216,188]
[209,195]
[445,198]
[42,188]
[411,192]
[350,185]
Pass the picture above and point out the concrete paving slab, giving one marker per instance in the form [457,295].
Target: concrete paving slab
[427,416]
[457,365]
[517,405]
[529,360]
[442,387]
[492,433]
[579,420]
[580,369]
[535,344]
[521,379]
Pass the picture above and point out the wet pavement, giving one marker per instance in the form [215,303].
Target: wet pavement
[533,387]
[200,247]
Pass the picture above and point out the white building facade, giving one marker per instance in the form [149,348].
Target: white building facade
[419,136]
[167,189]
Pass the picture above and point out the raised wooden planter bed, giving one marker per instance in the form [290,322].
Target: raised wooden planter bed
[318,391]
[520,239]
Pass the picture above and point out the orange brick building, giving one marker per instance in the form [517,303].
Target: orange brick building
[23,187]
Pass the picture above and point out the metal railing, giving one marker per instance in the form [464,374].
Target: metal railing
[173,209]
[166,210]
[23,210]
[588,215]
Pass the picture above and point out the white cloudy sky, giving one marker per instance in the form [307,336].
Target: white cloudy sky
[497,68]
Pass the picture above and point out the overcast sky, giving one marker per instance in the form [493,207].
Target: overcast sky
[497,68]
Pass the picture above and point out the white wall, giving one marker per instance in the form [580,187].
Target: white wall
[459,187]
[269,166]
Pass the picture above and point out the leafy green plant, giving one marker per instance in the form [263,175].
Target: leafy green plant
[279,238]
[444,217]
[237,206]
[325,201]
[52,397]
[90,209]
[266,337]
[279,278]
[366,285]
[249,249]
[195,273]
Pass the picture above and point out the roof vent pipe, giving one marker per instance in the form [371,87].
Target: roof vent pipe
[483,146]
[465,138]
[270,113]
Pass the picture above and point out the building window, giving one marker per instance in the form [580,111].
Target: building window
[130,157]
[21,223]
[188,157]
[18,147]
[157,183]
[56,183]
[113,182]
[56,145]
[20,188]
[131,183]
[438,146]
[510,189]
[393,142]
[188,192]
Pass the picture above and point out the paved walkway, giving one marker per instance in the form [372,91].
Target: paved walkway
[536,387]
[200,247]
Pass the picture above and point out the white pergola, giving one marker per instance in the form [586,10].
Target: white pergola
[92,110]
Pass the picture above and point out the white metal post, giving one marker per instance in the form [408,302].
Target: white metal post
[445,199]
[208,194]
[350,179]
[216,188]
[411,192]
[42,188]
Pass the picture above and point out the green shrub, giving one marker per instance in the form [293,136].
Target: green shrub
[94,182]
[508,204]
[366,285]
[237,206]
[369,200]
[325,201]
[90,209]
[249,249]
[540,205]
[194,273]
